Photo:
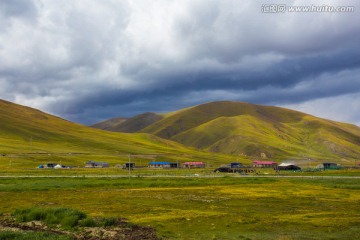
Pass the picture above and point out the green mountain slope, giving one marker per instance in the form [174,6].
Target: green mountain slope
[254,130]
[32,135]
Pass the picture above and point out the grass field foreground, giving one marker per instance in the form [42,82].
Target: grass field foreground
[204,208]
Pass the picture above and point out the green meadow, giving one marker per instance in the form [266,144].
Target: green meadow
[222,207]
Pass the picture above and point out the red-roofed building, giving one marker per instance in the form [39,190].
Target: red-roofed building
[194,165]
[264,164]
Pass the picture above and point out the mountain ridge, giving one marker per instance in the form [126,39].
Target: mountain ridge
[247,129]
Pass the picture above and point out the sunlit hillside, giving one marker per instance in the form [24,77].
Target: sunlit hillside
[245,129]
[34,136]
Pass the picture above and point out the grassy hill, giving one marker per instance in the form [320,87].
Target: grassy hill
[253,130]
[29,137]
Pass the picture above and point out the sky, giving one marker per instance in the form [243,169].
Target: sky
[90,60]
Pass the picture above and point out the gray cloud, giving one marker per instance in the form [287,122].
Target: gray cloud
[24,9]
[95,60]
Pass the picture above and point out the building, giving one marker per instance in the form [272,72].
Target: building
[159,165]
[174,165]
[50,165]
[264,164]
[128,165]
[58,166]
[194,165]
[329,165]
[92,164]
[288,166]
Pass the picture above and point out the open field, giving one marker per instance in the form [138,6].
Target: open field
[204,208]
[183,203]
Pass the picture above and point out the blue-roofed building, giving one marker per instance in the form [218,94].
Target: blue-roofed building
[159,164]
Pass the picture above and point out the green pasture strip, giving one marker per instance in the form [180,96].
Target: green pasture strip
[54,184]
[204,208]
[147,172]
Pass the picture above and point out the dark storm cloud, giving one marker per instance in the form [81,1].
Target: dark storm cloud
[280,79]
[99,59]
[284,74]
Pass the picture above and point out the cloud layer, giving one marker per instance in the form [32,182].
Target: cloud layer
[91,60]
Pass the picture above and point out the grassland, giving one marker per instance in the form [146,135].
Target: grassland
[204,208]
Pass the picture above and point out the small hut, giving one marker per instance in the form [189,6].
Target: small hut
[128,165]
[194,165]
[174,165]
[50,165]
[288,166]
[265,164]
[159,165]
[58,166]
[92,164]
[329,165]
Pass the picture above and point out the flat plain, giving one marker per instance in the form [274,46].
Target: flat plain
[224,206]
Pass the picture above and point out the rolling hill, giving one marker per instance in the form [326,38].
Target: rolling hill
[29,136]
[246,129]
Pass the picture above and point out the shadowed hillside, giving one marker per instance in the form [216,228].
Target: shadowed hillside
[109,124]
[129,125]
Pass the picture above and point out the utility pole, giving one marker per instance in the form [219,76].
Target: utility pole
[129,166]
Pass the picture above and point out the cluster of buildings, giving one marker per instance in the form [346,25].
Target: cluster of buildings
[176,165]
[52,165]
[275,165]
[153,165]
[162,165]
[292,166]
[190,165]
[131,165]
